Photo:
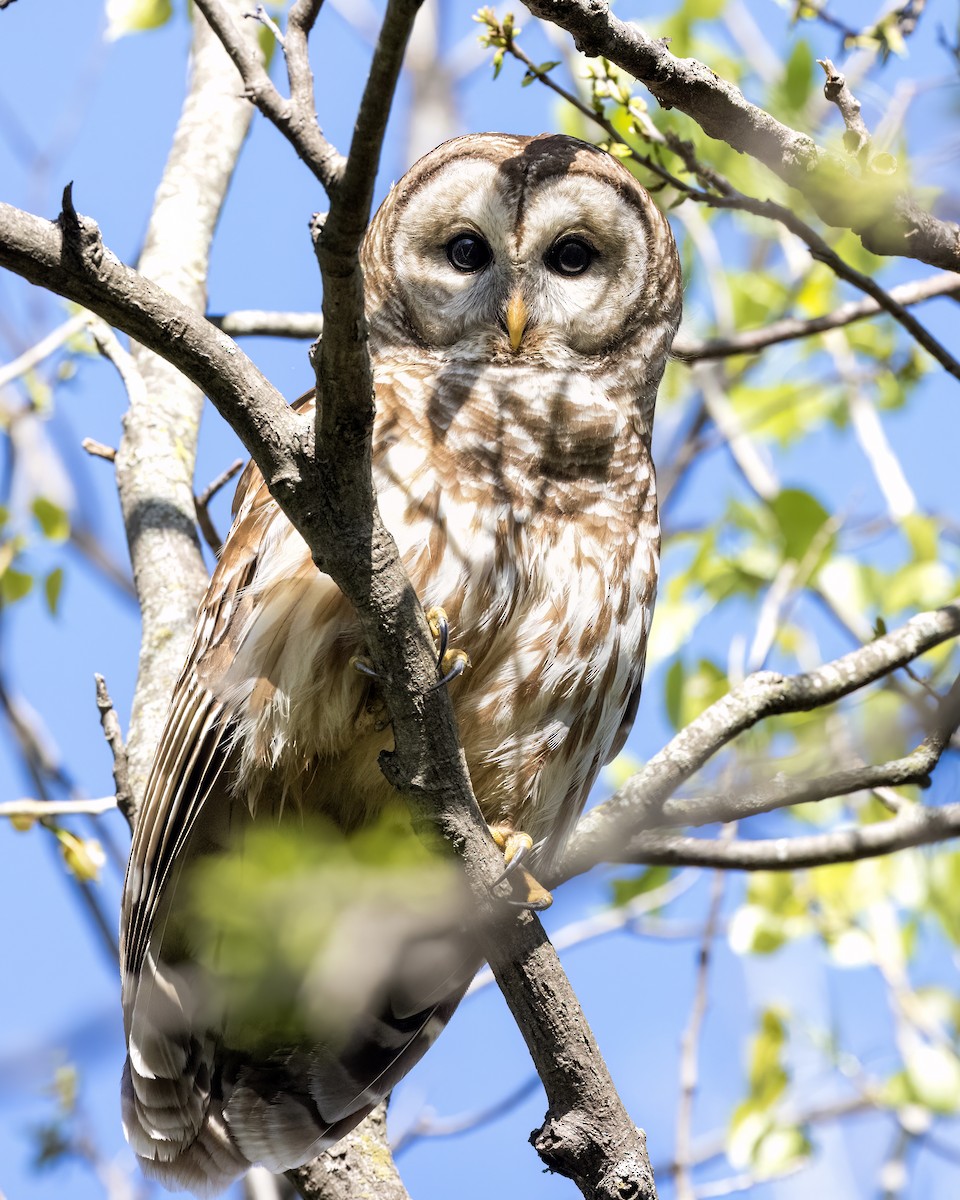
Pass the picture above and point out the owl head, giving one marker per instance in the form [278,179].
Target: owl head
[501,248]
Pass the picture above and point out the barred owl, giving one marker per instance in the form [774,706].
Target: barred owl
[522,296]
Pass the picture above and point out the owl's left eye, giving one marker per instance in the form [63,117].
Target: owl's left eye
[468,252]
[570,256]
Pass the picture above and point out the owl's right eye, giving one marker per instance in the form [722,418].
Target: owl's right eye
[468,252]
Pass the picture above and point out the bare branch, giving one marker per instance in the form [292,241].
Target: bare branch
[202,505]
[41,809]
[99,449]
[295,118]
[610,827]
[914,826]
[360,1164]
[258,323]
[857,137]
[110,722]
[887,223]
[688,348]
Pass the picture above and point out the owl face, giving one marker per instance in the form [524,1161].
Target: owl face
[504,248]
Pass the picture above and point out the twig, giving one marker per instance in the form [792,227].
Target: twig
[294,120]
[688,349]
[690,1043]
[40,809]
[43,349]
[916,825]
[610,826]
[98,449]
[857,136]
[263,17]
[202,505]
[258,323]
[112,732]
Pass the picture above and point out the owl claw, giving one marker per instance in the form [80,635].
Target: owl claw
[516,847]
[364,665]
[450,663]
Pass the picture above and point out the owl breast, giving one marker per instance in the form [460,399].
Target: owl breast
[524,504]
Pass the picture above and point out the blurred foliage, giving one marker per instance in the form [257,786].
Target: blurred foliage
[301,927]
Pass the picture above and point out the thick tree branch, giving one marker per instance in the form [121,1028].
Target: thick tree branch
[163,420]
[359,1165]
[612,826]
[886,222]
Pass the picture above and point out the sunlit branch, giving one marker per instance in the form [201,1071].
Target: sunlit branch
[688,348]
[886,223]
[610,828]
[295,118]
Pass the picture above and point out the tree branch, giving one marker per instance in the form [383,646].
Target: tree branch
[41,809]
[163,420]
[689,349]
[359,1165]
[916,825]
[913,768]
[295,118]
[602,834]
[886,222]
[114,735]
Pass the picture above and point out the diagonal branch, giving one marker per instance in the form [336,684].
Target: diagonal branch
[913,768]
[689,349]
[295,118]
[915,825]
[603,833]
[886,222]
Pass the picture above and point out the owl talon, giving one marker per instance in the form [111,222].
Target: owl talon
[450,663]
[364,665]
[516,847]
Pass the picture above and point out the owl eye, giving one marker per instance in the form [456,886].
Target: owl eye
[468,252]
[570,256]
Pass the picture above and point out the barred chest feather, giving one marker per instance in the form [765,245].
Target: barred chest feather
[526,508]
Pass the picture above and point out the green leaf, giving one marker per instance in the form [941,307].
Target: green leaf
[625,890]
[14,585]
[800,518]
[52,518]
[134,16]
[52,587]
[798,76]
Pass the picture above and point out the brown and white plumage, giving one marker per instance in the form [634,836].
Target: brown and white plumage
[512,463]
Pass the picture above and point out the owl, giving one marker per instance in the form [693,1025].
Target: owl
[522,295]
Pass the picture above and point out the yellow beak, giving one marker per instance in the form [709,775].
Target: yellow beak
[517,317]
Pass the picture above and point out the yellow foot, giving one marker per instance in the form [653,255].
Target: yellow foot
[450,663]
[516,847]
